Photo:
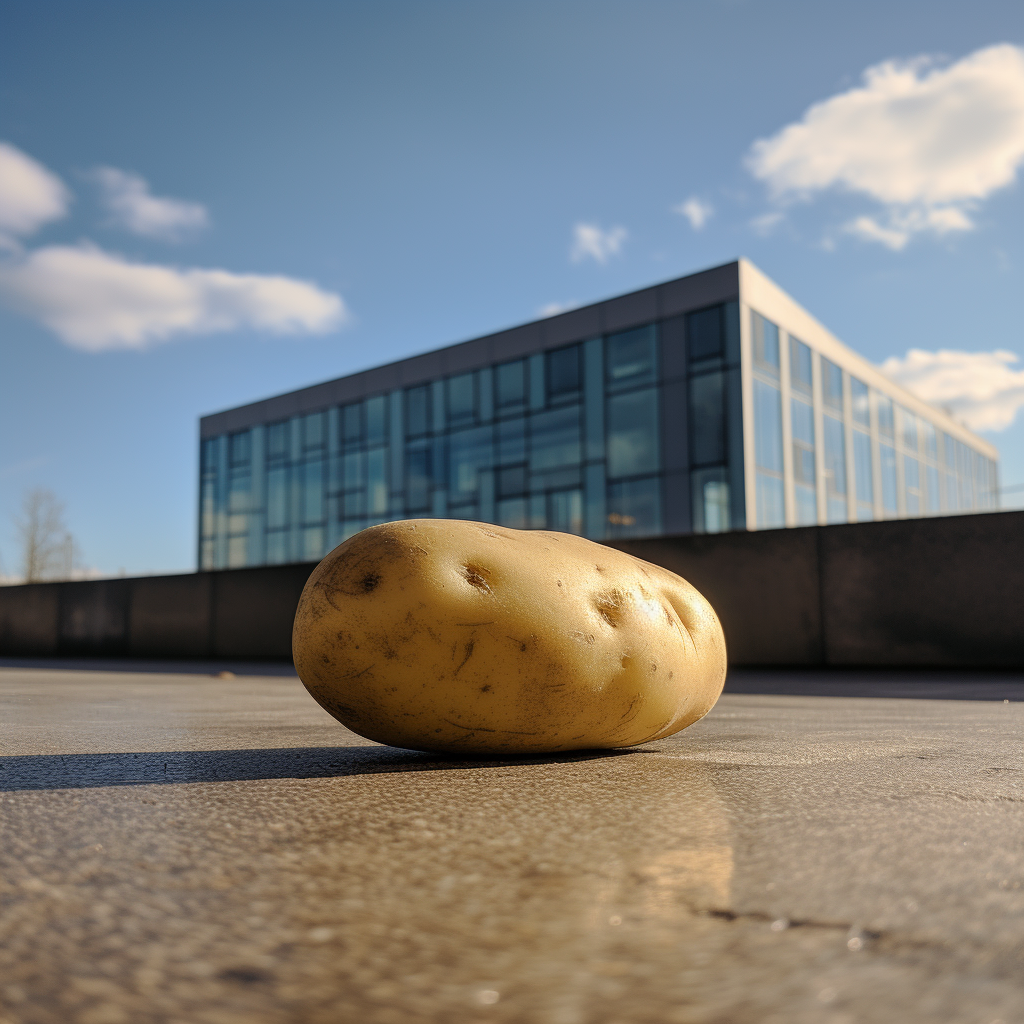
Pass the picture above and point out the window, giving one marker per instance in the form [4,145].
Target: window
[831,384]
[510,386]
[863,474]
[313,492]
[511,441]
[800,373]
[555,439]
[417,411]
[239,448]
[885,416]
[766,344]
[912,482]
[631,358]
[376,420]
[710,500]
[909,429]
[633,433]
[565,511]
[277,497]
[835,469]
[469,452]
[768,426]
[932,479]
[707,419]
[931,448]
[887,457]
[804,472]
[860,398]
[634,508]
[418,478]
[352,424]
[771,511]
[277,441]
[563,374]
[314,431]
[705,335]
[462,400]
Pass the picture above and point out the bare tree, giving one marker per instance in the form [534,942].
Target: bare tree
[47,548]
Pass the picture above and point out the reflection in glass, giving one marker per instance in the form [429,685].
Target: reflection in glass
[804,470]
[766,343]
[565,511]
[563,373]
[237,551]
[277,497]
[768,426]
[462,399]
[314,431]
[634,508]
[886,425]
[862,468]
[239,448]
[707,419]
[277,547]
[912,482]
[376,482]
[470,451]
[887,457]
[277,441]
[710,488]
[313,491]
[352,424]
[512,513]
[555,439]
[831,384]
[835,469]
[771,505]
[510,385]
[417,411]
[931,448]
[704,334]
[376,419]
[418,478]
[932,479]
[909,429]
[630,357]
[800,373]
[511,441]
[860,398]
[633,433]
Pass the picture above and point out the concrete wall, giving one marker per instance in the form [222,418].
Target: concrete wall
[920,592]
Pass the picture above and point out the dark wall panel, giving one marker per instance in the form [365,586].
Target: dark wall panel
[946,591]
[28,618]
[764,587]
[170,616]
[94,617]
[253,610]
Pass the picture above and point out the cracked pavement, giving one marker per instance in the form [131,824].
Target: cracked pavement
[188,849]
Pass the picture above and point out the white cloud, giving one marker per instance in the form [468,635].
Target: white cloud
[766,222]
[979,388]
[30,195]
[95,300]
[590,241]
[928,145]
[128,199]
[554,308]
[697,212]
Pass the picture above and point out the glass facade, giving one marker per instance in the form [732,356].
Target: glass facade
[714,419]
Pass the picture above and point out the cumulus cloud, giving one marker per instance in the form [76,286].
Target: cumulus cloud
[695,211]
[95,300]
[554,308]
[30,195]
[591,242]
[978,388]
[132,206]
[928,144]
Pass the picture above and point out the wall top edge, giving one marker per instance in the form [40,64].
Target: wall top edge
[658,301]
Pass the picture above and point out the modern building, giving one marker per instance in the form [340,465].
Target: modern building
[712,402]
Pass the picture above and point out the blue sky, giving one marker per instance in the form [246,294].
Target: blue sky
[205,204]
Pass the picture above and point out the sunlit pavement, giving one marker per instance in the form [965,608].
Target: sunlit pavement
[186,848]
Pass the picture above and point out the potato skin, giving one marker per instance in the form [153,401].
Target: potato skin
[464,637]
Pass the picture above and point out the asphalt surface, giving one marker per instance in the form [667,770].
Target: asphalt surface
[189,849]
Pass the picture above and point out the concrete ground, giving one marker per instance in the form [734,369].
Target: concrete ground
[189,849]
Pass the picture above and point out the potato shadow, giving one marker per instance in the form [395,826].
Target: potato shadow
[93,771]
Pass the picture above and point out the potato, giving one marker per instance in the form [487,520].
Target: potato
[465,637]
